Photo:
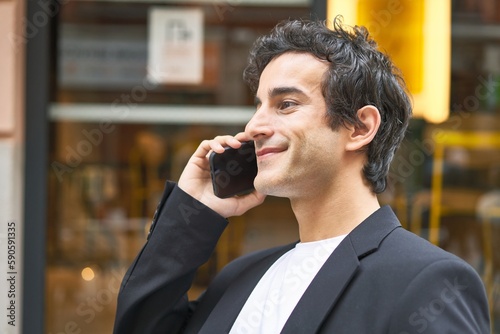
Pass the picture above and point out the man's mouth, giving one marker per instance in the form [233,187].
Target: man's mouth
[268,151]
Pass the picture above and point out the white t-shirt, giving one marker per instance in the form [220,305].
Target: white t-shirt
[275,296]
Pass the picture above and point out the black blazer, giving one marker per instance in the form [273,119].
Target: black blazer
[380,279]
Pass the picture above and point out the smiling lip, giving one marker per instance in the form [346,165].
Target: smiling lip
[267,151]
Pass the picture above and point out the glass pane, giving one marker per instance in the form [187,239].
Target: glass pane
[108,170]
[104,191]
[106,177]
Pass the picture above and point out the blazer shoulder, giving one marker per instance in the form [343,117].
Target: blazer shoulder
[406,254]
[445,294]
[411,245]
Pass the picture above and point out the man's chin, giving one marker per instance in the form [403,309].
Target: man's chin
[263,184]
[268,186]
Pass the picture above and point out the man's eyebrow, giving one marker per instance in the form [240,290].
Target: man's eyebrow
[284,90]
[280,91]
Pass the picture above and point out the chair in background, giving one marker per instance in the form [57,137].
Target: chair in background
[488,211]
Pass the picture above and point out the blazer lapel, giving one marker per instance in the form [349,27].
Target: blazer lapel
[340,268]
[226,311]
[317,301]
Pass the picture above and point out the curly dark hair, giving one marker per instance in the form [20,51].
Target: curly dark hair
[359,74]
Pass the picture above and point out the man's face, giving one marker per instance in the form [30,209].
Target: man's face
[297,151]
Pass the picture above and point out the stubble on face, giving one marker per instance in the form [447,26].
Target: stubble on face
[302,131]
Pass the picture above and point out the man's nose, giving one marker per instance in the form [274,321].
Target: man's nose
[260,125]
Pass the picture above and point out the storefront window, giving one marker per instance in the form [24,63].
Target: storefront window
[116,137]
[466,173]
[453,199]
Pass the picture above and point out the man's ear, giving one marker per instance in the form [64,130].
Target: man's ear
[360,137]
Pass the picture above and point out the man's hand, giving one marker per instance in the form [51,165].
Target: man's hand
[196,181]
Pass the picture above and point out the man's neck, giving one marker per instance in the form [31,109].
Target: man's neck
[333,213]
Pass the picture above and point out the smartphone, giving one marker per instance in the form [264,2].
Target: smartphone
[234,170]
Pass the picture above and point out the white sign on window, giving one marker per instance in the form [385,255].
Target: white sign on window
[175,46]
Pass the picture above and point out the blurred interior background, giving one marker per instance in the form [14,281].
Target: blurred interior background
[116,95]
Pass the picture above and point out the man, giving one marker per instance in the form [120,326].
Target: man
[330,112]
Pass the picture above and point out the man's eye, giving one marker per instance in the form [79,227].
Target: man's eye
[287,104]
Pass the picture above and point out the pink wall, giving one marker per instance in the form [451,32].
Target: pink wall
[11,146]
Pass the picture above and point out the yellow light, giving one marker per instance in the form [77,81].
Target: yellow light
[437,60]
[88,274]
[417,36]
[347,9]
